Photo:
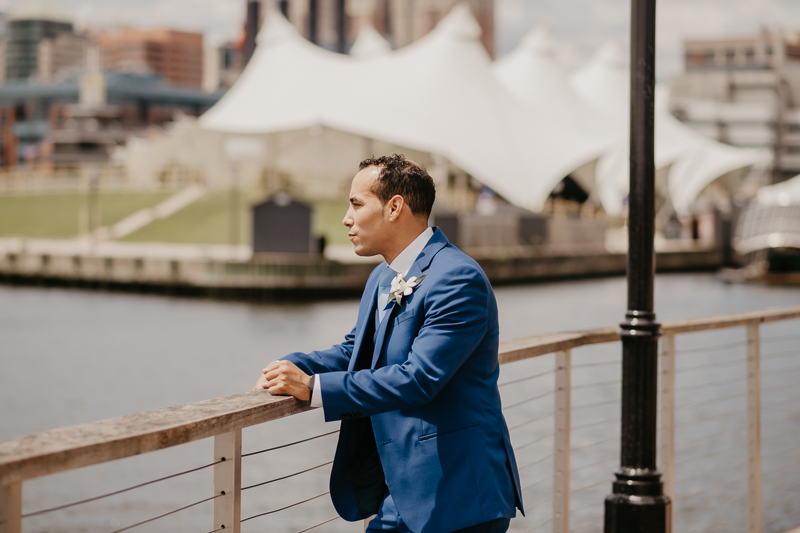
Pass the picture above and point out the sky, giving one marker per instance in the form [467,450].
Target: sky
[580,25]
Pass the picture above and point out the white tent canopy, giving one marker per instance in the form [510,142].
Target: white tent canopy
[534,74]
[686,162]
[784,193]
[437,95]
[369,44]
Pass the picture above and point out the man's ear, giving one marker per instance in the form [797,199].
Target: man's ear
[396,205]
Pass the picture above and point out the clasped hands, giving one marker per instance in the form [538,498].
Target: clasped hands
[283,378]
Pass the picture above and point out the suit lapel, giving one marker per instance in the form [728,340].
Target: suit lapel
[421,264]
[367,326]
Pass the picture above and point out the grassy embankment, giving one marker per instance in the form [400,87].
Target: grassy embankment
[57,216]
[207,221]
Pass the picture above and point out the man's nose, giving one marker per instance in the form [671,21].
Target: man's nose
[347,220]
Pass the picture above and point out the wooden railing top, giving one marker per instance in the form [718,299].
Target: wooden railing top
[115,438]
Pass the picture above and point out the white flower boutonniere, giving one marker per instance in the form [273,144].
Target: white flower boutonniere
[403,287]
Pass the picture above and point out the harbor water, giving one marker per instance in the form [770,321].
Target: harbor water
[71,356]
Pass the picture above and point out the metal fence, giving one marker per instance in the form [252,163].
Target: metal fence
[728,426]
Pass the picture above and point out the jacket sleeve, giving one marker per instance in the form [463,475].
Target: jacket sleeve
[456,321]
[335,358]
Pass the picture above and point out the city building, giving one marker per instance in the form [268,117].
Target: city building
[334,24]
[745,91]
[176,55]
[41,43]
[74,121]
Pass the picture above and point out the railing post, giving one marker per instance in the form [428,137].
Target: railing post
[753,428]
[228,480]
[11,508]
[666,402]
[561,442]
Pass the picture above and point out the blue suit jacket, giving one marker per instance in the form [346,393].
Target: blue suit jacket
[432,398]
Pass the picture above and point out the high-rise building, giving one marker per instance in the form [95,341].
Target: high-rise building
[41,42]
[745,91]
[176,55]
[334,24]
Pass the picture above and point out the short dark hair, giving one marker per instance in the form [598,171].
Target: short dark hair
[403,177]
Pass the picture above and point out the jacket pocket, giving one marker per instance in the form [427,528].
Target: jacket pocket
[446,431]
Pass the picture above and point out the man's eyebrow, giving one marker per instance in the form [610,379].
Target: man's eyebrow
[354,199]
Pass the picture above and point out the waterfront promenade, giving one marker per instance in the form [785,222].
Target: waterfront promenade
[139,353]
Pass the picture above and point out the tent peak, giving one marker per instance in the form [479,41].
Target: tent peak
[276,30]
[539,41]
[369,43]
[612,54]
[459,24]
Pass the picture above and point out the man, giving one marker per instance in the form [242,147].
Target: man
[423,443]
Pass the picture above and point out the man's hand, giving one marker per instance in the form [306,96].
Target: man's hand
[283,378]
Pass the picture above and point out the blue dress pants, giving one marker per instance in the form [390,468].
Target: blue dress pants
[388,520]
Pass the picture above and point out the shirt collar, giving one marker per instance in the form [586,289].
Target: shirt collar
[405,260]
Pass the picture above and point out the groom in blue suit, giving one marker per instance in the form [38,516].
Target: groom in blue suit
[423,444]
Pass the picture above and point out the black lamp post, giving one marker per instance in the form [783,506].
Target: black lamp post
[637,503]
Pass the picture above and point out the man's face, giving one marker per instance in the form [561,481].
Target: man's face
[366,218]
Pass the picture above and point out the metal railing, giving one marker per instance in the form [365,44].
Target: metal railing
[728,424]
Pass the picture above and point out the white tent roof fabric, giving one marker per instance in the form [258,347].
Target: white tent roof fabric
[369,43]
[783,194]
[517,126]
[691,160]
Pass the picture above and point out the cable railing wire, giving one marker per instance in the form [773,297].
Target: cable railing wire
[597,363]
[143,522]
[716,451]
[584,467]
[706,384]
[526,378]
[780,338]
[591,424]
[536,462]
[778,355]
[531,420]
[779,370]
[737,394]
[595,404]
[715,506]
[534,441]
[712,348]
[286,477]
[537,482]
[614,381]
[114,493]
[710,527]
[289,444]
[693,421]
[284,508]
[710,473]
[534,398]
[597,443]
[592,485]
[710,365]
[683,443]
[540,524]
[320,524]
[591,524]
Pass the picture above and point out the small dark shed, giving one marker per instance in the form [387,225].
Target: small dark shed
[283,225]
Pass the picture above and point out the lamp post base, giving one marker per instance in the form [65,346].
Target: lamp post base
[638,505]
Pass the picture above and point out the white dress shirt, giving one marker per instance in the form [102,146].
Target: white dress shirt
[402,263]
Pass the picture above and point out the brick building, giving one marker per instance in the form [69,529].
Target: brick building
[177,56]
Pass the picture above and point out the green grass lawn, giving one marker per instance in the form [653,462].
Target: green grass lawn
[328,215]
[208,221]
[56,216]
